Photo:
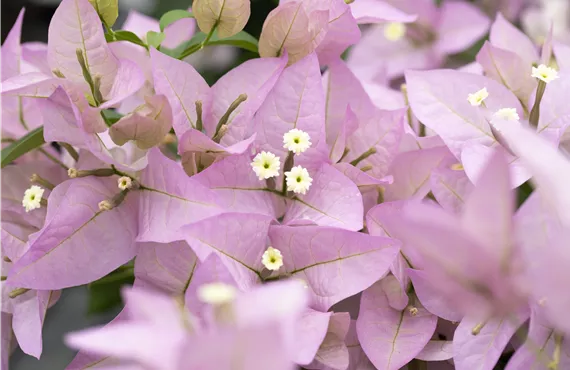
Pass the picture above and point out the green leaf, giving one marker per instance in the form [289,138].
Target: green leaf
[172,16]
[241,40]
[32,140]
[125,36]
[105,293]
[112,116]
[108,10]
[154,39]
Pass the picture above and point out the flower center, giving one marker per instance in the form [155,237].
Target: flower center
[296,140]
[32,197]
[299,179]
[266,165]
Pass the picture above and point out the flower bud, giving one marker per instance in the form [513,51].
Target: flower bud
[147,125]
[293,27]
[229,16]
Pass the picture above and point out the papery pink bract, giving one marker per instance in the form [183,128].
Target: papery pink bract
[484,349]
[380,323]
[65,252]
[169,199]
[335,263]
[76,26]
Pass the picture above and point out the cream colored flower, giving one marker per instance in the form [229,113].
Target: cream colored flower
[477,98]
[298,180]
[216,293]
[296,141]
[266,165]
[272,259]
[33,198]
[125,183]
[394,31]
[544,73]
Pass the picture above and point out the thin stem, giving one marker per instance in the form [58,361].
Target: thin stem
[72,152]
[363,156]
[37,179]
[18,292]
[535,111]
[201,45]
[52,158]
[199,122]
[225,118]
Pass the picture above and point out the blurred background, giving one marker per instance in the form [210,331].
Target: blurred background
[84,306]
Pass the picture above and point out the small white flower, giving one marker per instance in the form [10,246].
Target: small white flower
[125,183]
[477,98]
[272,259]
[394,31]
[298,180]
[216,293]
[72,173]
[266,165]
[544,73]
[508,114]
[296,141]
[33,198]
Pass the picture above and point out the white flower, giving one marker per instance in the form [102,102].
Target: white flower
[266,165]
[125,183]
[296,141]
[477,98]
[272,259]
[32,198]
[508,114]
[298,180]
[544,73]
[216,293]
[394,31]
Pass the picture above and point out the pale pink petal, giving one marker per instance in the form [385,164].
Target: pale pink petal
[335,263]
[75,25]
[296,101]
[170,199]
[460,26]
[255,78]
[482,351]
[66,252]
[165,267]
[506,36]
[379,324]
[411,171]
[509,69]
[332,200]
[183,86]
[238,188]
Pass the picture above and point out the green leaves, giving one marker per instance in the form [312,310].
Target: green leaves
[154,39]
[105,293]
[32,140]
[125,36]
[108,10]
[241,40]
[172,16]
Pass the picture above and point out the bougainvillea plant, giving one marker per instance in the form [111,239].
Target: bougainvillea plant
[384,186]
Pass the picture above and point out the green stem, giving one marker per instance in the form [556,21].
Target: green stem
[201,45]
[54,159]
[72,152]
[535,111]
[363,156]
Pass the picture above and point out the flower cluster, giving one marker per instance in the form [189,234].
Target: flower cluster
[375,211]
